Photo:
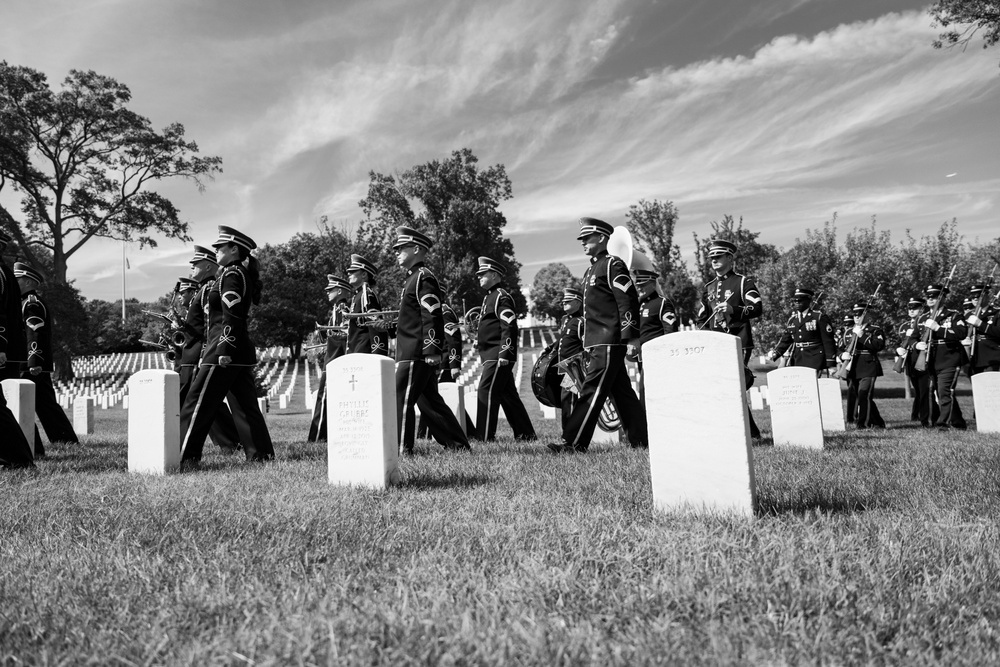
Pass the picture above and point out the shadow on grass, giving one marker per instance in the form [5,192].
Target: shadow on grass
[431,480]
[766,506]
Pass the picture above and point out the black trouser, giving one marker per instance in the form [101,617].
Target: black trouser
[416,385]
[605,376]
[54,421]
[446,375]
[201,405]
[924,409]
[15,452]
[567,404]
[863,390]
[497,390]
[223,432]
[754,429]
[317,427]
[944,382]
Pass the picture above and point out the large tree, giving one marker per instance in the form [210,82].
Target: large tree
[457,204]
[82,162]
[652,224]
[547,290]
[963,19]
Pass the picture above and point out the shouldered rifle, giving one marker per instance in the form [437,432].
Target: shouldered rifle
[980,307]
[920,365]
[844,369]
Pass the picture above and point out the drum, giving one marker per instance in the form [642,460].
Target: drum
[545,378]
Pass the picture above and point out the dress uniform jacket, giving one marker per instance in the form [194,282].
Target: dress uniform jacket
[741,293]
[570,337]
[194,326]
[946,349]
[497,326]
[37,331]
[910,333]
[229,300]
[810,335]
[360,336]
[611,303]
[420,327]
[657,316]
[452,342]
[12,339]
[986,349]
[865,358]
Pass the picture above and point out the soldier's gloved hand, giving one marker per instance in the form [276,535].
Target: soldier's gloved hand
[433,360]
[974,321]
[772,355]
[225,360]
[921,346]
[503,362]
[3,359]
[35,370]
[932,324]
[632,351]
[846,356]
[900,351]
[857,330]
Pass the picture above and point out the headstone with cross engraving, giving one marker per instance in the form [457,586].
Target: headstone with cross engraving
[700,457]
[362,448]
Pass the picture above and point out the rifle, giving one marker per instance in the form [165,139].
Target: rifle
[844,369]
[979,308]
[920,365]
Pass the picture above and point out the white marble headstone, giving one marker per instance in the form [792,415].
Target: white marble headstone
[794,403]
[20,395]
[700,456]
[83,414]
[362,446]
[154,440]
[756,401]
[831,404]
[986,400]
[454,398]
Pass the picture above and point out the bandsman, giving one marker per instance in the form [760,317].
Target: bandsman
[569,352]
[657,315]
[985,332]
[453,344]
[923,409]
[187,288]
[809,335]
[611,330]
[38,331]
[15,452]
[420,348]
[729,304]
[866,340]
[497,345]
[338,294]
[365,335]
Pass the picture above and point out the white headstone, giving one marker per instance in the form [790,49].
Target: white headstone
[453,395]
[756,401]
[154,440]
[547,412]
[283,402]
[986,401]
[700,456]
[831,404]
[83,414]
[764,394]
[20,395]
[362,447]
[794,403]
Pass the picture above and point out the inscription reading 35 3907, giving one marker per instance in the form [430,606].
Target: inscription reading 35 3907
[684,351]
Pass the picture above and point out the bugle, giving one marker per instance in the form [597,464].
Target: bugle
[470,321]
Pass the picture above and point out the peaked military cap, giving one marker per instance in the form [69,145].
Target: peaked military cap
[590,226]
[187,285]
[359,263]
[976,290]
[203,254]
[914,302]
[231,235]
[4,238]
[718,247]
[643,276]
[572,294]
[848,319]
[487,264]
[22,270]
[859,308]
[409,236]
[335,282]
[934,289]
[969,303]
[804,293]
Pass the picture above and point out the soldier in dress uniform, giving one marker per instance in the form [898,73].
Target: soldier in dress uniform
[38,331]
[866,340]
[15,452]
[611,330]
[985,330]
[338,292]
[497,345]
[945,357]
[809,334]
[223,431]
[924,409]
[227,365]
[729,303]
[365,335]
[187,288]
[420,348]
[569,352]
[657,315]
[451,368]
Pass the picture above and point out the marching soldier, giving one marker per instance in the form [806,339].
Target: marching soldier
[223,431]
[611,330]
[985,332]
[15,452]
[570,351]
[227,365]
[365,335]
[420,348]
[338,291]
[657,315]
[187,288]
[497,344]
[729,303]
[38,330]
[809,334]
[867,340]
[924,409]
[945,357]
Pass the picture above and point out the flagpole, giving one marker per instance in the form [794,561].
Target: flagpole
[123,281]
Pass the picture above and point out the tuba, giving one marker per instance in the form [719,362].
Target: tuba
[471,321]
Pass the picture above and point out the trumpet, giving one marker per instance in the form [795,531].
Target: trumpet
[374,313]
[331,327]
[170,319]
[471,321]
[171,349]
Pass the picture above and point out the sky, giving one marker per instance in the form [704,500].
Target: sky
[784,112]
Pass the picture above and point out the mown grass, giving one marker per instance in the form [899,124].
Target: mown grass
[883,549]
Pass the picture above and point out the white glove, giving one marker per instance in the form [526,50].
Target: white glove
[857,331]
[932,324]
[900,351]
[846,356]
[974,321]
[921,346]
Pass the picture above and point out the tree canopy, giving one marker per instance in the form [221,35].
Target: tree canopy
[82,162]
[965,18]
[547,290]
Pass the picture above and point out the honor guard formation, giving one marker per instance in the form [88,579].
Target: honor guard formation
[607,320]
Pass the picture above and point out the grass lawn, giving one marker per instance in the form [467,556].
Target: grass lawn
[883,548]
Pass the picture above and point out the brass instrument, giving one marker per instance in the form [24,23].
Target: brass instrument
[170,348]
[376,319]
[470,321]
